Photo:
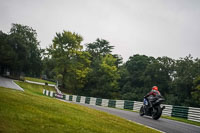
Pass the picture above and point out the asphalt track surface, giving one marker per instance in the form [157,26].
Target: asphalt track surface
[9,83]
[163,125]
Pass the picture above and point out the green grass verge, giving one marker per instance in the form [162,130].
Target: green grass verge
[34,88]
[28,111]
[171,118]
[40,89]
[39,80]
[182,120]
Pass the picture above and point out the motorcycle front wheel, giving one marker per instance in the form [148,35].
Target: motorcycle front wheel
[142,111]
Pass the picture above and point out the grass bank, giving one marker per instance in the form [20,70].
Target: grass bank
[166,117]
[182,120]
[30,111]
[172,118]
[39,80]
[34,88]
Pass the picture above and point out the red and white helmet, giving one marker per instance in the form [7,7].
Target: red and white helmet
[155,88]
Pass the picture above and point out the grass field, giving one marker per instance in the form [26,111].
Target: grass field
[166,117]
[31,112]
[34,88]
[182,120]
[39,80]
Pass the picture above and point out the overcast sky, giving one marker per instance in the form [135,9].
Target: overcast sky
[150,27]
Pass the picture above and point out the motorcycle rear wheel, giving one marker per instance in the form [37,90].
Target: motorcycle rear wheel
[158,113]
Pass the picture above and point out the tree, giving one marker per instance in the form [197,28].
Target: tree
[22,50]
[27,48]
[159,73]
[99,48]
[196,92]
[48,64]
[183,80]
[7,53]
[136,66]
[132,83]
[103,77]
[71,63]
[141,72]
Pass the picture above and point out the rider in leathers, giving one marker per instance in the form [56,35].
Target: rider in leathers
[152,94]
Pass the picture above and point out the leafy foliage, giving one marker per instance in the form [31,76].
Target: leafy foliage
[176,79]
[196,91]
[103,77]
[95,71]
[71,63]
[21,48]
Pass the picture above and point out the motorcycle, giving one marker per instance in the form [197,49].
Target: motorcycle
[155,111]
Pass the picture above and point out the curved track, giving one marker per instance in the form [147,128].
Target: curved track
[8,83]
[163,125]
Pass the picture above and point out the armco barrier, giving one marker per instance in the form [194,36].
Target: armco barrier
[112,103]
[105,102]
[119,104]
[194,114]
[168,110]
[82,99]
[87,100]
[128,104]
[189,113]
[137,105]
[74,97]
[179,111]
[93,101]
[52,85]
[78,99]
[98,101]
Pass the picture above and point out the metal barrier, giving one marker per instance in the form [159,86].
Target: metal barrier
[128,104]
[194,114]
[189,113]
[180,111]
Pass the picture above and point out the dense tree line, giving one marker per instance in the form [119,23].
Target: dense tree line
[176,79]
[92,70]
[20,52]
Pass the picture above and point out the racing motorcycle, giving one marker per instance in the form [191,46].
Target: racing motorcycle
[155,111]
